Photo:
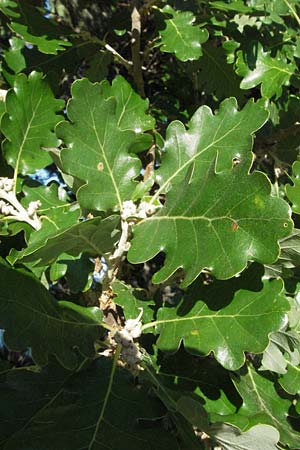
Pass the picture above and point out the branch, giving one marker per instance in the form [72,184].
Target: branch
[135,48]
[118,57]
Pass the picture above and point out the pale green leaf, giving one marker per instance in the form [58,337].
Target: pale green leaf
[271,73]
[283,349]
[181,36]
[28,125]
[259,437]
[8,7]
[262,404]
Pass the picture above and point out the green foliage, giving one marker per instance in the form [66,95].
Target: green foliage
[149,225]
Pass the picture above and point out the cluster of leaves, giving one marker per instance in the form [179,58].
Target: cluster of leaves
[149,252]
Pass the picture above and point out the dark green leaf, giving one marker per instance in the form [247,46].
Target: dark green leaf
[95,237]
[99,140]
[242,326]
[293,192]
[91,410]
[37,30]
[32,317]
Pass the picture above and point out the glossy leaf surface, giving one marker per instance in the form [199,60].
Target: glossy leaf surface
[216,223]
[242,326]
[271,73]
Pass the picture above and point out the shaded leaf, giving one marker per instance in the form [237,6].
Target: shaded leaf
[293,192]
[131,302]
[241,326]
[290,381]
[181,36]
[55,220]
[33,318]
[28,125]
[77,271]
[95,237]
[121,415]
[216,76]
[271,73]
[262,404]
[100,132]
[36,29]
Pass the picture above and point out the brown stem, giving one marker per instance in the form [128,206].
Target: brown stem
[135,48]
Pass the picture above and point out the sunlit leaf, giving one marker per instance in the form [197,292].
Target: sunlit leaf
[181,36]
[28,125]
[271,73]
[101,130]
[242,326]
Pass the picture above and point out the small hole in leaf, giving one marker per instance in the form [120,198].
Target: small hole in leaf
[285,224]
[100,166]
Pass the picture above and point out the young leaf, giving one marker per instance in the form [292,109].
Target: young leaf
[181,36]
[28,125]
[271,73]
[98,141]
[242,326]
[104,410]
[33,318]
